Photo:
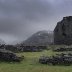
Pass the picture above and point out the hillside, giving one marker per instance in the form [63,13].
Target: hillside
[39,38]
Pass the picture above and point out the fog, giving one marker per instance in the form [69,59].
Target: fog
[19,19]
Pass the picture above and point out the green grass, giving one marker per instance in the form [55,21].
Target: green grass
[30,64]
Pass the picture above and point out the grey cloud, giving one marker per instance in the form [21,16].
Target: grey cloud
[19,14]
[29,9]
[22,18]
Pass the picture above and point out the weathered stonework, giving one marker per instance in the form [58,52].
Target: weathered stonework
[63,31]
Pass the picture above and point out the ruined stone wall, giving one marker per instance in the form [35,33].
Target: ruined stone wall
[63,31]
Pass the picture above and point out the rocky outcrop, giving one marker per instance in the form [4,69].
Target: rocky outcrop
[6,55]
[58,59]
[63,31]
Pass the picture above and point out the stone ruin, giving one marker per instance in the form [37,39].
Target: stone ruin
[63,31]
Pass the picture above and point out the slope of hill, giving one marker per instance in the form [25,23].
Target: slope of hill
[40,38]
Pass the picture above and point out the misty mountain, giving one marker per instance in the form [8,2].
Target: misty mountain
[39,38]
[2,42]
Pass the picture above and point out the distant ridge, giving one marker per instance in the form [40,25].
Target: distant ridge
[40,38]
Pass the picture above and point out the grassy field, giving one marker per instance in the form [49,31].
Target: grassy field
[30,64]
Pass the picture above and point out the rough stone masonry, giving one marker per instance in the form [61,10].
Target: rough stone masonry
[63,31]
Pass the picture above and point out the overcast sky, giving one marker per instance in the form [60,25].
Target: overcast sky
[19,19]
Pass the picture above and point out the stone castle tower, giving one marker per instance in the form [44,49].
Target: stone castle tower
[63,31]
